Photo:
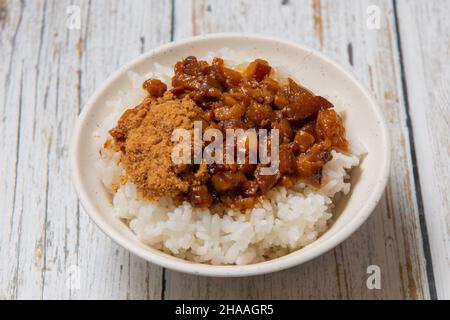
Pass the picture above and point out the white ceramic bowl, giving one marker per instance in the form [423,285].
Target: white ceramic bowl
[312,69]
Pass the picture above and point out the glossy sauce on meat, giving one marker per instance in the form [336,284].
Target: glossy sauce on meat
[309,127]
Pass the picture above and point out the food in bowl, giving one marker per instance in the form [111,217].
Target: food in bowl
[224,212]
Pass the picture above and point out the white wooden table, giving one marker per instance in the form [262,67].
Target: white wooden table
[50,249]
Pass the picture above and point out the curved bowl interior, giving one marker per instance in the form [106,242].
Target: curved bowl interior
[363,119]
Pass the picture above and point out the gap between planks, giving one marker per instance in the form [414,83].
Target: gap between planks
[417,185]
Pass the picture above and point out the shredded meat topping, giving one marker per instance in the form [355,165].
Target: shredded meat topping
[224,98]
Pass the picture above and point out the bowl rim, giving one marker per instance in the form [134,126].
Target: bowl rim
[281,263]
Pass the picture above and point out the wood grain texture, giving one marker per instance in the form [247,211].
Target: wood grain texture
[49,248]
[47,73]
[11,84]
[391,238]
[425,35]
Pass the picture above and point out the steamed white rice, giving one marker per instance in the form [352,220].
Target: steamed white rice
[288,219]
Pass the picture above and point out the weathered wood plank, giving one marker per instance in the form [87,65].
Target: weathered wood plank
[34,141]
[391,238]
[12,25]
[425,38]
[51,249]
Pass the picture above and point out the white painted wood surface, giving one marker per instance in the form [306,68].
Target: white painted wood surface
[425,34]
[50,249]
